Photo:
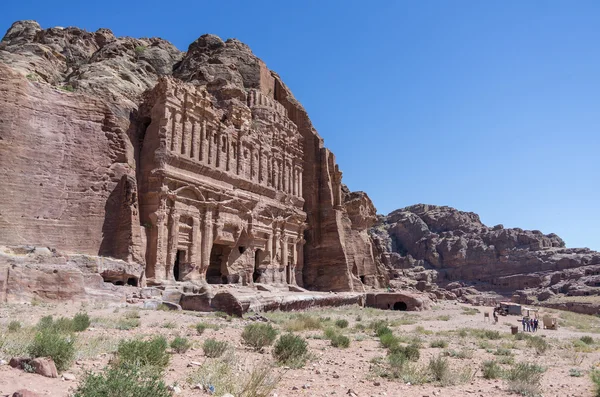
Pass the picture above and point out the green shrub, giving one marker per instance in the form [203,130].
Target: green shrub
[45,323]
[411,352]
[525,379]
[52,343]
[388,341]
[81,322]
[125,324]
[140,48]
[340,341]
[291,350]
[439,368]
[259,335]
[341,323]
[595,376]
[588,340]
[126,380]
[169,325]
[491,370]
[439,343]
[214,348]
[492,335]
[574,372]
[180,345]
[68,88]
[14,326]
[538,343]
[444,317]
[302,322]
[503,352]
[329,333]
[152,354]
[382,330]
[200,327]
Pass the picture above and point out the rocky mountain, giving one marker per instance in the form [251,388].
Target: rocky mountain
[199,166]
[455,250]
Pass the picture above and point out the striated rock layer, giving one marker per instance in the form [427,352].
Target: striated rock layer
[433,244]
[200,166]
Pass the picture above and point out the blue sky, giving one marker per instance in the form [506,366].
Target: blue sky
[490,107]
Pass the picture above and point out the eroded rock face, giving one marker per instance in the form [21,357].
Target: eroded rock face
[200,166]
[454,249]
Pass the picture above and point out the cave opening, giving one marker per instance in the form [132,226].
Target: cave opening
[400,306]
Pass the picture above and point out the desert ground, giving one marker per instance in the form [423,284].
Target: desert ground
[453,333]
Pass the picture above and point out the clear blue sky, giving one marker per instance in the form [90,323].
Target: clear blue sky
[491,107]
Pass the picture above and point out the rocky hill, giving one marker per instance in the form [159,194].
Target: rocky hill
[455,250]
[200,166]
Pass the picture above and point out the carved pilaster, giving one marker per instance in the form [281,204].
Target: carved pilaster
[173,241]
[207,240]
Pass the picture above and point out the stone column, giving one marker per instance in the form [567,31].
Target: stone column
[300,261]
[173,242]
[186,137]
[194,250]
[207,241]
[300,183]
[211,145]
[195,140]
[203,142]
[284,257]
[162,244]
[176,144]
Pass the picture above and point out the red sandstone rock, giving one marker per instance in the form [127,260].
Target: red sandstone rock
[44,366]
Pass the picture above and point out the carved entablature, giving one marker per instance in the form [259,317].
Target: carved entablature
[256,142]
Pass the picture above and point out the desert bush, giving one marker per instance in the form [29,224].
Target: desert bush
[411,351]
[471,311]
[125,324]
[491,370]
[588,340]
[491,335]
[259,335]
[252,381]
[169,325]
[439,368]
[291,350]
[151,354]
[574,372]
[444,317]
[463,332]
[180,344]
[439,343]
[341,323]
[52,343]
[462,353]
[200,328]
[126,380]
[382,330]
[81,322]
[538,343]
[525,379]
[14,326]
[302,322]
[595,376]
[340,341]
[503,352]
[388,341]
[214,348]
[132,314]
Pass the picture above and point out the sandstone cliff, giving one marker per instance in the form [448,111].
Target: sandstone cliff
[455,250]
[101,153]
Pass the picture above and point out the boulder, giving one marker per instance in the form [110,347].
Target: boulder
[44,366]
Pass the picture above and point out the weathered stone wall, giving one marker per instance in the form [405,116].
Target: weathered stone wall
[61,163]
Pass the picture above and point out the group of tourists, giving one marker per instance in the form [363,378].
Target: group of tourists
[530,324]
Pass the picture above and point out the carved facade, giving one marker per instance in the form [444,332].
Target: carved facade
[221,189]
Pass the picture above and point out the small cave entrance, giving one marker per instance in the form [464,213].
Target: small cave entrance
[132,281]
[362,279]
[256,274]
[400,306]
[179,258]
[214,274]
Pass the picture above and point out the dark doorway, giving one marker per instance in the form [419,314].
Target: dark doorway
[256,274]
[132,281]
[362,279]
[400,306]
[214,275]
[177,265]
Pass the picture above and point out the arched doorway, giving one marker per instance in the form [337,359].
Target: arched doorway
[401,306]
[179,258]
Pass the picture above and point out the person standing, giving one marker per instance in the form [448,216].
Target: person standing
[523,321]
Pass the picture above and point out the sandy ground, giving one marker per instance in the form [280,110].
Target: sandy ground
[330,371]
